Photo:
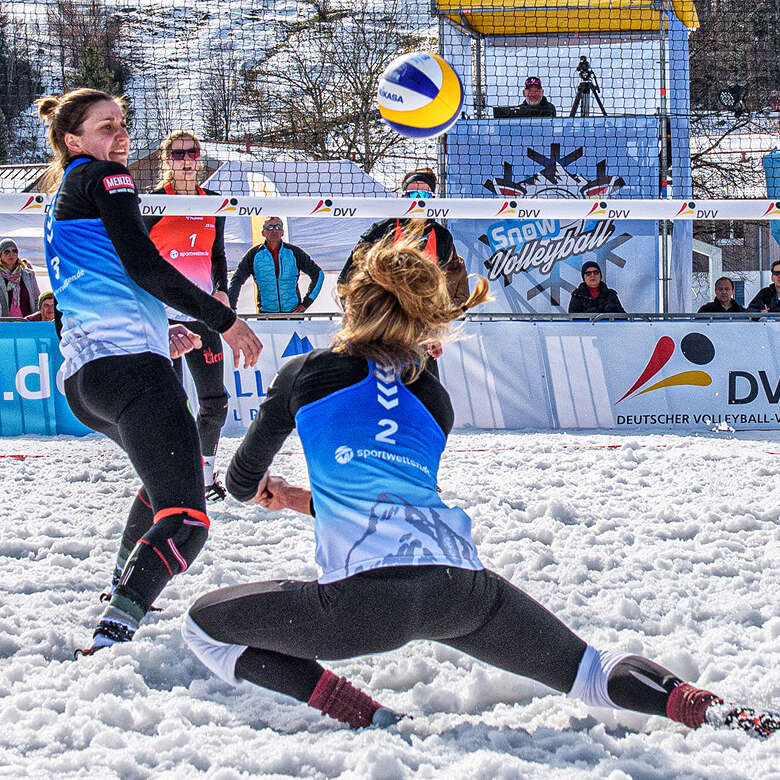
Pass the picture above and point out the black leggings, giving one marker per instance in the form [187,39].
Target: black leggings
[286,624]
[205,365]
[137,401]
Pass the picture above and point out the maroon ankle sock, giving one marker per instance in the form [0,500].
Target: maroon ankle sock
[337,697]
[688,704]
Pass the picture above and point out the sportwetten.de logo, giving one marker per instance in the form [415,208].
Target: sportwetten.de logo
[343,454]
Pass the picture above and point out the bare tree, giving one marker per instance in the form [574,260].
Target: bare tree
[317,92]
[221,88]
[87,37]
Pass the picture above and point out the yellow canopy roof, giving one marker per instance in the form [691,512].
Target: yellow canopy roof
[539,17]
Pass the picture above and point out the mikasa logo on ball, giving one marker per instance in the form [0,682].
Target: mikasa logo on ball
[390,96]
[343,454]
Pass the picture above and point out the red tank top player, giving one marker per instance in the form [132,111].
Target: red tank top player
[186,243]
[429,250]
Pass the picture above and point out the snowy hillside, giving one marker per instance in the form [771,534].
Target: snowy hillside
[183,53]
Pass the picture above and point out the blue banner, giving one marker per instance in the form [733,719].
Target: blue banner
[534,263]
[31,390]
[772,169]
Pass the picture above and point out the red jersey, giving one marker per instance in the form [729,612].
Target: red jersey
[186,243]
[429,250]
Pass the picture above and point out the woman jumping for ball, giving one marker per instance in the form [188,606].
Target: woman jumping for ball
[110,282]
[397,563]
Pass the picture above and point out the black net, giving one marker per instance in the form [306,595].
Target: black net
[296,81]
[630,99]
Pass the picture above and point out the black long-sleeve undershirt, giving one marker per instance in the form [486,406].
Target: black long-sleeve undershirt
[84,195]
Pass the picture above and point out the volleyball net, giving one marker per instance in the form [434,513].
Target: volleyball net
[263,81]
[652,121]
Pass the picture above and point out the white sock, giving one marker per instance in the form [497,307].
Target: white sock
[208,469]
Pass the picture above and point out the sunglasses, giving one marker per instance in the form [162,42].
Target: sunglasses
[592,273]
[11,249]
[415,194]
[530,84]
[179,154]
[274,227]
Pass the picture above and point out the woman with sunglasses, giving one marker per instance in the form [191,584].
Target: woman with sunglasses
[111,284]
[397,563]
[433,239]
[195,246]
[593,296]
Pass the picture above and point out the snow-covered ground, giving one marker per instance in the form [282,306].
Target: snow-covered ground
[664,545]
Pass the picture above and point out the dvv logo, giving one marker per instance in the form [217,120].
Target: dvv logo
[228,204]
[322,207]
[695,347]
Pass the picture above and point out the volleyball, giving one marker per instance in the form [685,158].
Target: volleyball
[420,95]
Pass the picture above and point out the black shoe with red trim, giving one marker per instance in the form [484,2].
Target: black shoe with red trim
[752,722]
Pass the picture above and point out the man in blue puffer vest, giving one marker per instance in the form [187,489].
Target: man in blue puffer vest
[276,267]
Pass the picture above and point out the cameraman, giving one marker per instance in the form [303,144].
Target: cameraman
[535,103]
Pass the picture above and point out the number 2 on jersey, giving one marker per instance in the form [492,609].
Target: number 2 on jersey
[385,436]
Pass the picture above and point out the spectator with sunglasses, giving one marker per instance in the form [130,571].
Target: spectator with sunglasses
[535,103]
[195,246]
[768,298]
[435,242]
[276,267]
[593,296]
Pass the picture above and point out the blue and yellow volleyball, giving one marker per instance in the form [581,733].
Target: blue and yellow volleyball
[420,95]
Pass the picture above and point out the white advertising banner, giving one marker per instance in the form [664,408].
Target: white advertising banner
[675,375]
[682,375]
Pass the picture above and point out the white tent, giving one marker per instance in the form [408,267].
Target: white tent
[328,241]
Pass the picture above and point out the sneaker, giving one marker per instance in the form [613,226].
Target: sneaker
[106,634]
[384,717]
[216,490]
[732,716]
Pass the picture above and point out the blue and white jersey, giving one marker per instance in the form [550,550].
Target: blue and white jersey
[104,312]
[373,452]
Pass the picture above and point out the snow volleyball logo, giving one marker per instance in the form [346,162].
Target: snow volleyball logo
[543,245]
[343,454]
[695,347]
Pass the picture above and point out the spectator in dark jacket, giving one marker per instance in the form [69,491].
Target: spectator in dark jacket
[724,298]
[435,242]
[535,103]
[46,304]
[593,296]
[768,298]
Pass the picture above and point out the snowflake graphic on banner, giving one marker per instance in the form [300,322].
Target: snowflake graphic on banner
[544,244]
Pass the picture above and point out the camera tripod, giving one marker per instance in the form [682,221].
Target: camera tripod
[588,86]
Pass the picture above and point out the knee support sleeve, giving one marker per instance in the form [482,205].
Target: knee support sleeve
[218,657]
[177,537]
[590,685]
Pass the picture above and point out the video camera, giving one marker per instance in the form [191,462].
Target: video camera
[584,69]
